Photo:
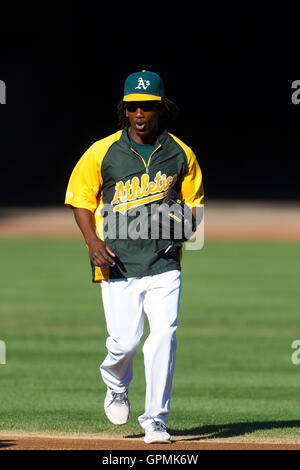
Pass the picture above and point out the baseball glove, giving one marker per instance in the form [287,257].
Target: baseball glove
[172,220]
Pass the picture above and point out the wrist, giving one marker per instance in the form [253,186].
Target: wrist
[91,239]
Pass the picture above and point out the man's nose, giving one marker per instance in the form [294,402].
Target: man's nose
[139,112]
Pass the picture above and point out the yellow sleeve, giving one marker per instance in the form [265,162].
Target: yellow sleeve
[191,188]
[191,185]
[85,182]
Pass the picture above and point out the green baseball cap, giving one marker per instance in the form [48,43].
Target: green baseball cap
[143,86]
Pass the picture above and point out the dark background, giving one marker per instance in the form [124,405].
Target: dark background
[230,72]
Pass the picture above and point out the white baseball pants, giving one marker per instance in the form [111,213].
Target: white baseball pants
[125,301]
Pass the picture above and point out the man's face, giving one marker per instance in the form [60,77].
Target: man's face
[143,119]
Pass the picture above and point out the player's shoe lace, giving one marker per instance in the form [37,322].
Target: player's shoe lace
[157,426]
[119,398]
[156,432]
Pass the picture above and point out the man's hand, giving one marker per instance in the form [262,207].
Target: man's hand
[101,254]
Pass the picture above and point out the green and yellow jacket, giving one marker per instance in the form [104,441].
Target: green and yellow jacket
[112,177]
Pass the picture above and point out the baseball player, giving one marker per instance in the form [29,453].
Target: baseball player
[116,179]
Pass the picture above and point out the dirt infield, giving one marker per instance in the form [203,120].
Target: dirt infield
[31,441]
[223,220]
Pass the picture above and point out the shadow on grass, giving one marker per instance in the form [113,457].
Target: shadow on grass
[227,430]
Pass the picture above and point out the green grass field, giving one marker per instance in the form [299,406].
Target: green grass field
[233,377]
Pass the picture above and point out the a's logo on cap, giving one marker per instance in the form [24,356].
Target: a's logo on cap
[142,84]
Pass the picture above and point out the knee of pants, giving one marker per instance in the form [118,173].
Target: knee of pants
[161,338]
[165,332]
[122,348]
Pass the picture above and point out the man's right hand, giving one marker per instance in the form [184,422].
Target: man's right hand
[101,254]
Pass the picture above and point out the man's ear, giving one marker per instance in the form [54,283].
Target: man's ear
[162,110]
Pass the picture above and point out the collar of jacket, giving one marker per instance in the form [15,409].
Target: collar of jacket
[161,139]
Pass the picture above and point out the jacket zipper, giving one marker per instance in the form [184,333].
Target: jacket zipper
[146,164]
